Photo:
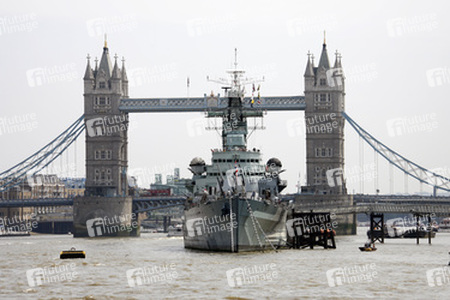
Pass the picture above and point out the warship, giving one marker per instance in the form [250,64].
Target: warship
[235,203]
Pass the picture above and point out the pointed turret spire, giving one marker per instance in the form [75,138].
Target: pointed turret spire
[88,74]
[309,67]
[337,62]
[105,61]
[324,62]
[124,73]
[116,71]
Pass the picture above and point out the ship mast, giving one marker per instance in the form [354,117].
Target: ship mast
[234,114]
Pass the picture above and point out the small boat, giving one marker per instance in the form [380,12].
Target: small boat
[367,249]
[175,231]
[72,253]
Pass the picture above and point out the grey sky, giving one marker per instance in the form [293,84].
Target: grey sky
[394,55]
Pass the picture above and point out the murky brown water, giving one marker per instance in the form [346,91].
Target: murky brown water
[111,270]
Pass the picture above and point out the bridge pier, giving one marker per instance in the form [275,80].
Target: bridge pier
[104,217]
[345,224]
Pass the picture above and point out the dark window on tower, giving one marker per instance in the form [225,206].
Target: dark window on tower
[323,81]
[102,85]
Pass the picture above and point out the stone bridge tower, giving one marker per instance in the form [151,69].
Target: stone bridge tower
[324,126]
[106,208]
[106,128]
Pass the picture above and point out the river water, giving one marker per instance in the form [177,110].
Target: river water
[156,267]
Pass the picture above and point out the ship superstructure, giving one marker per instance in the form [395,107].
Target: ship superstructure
[235,202]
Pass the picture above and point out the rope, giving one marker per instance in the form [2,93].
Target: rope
[255,221]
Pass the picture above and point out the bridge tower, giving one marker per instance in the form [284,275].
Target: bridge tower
[106,198]
[106,128]
[324,124]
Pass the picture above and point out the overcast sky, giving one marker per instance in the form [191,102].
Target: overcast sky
[395,56]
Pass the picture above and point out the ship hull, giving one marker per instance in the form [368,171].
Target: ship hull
[214,226]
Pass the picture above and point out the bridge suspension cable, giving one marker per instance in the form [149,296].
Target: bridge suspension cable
[408,167]
[41,158]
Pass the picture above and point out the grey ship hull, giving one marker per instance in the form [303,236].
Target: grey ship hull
[215,231]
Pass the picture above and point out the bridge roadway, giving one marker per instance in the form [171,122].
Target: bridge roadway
[140,204]
[210,103]
[440,206]
[362,204]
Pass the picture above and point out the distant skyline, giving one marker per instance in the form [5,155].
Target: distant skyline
[394,56]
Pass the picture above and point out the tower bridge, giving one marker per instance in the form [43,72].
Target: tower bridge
[106,108]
